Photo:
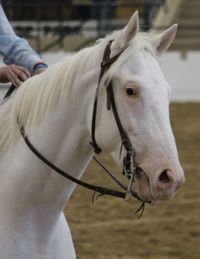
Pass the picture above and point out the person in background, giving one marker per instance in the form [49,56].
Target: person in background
[21,60]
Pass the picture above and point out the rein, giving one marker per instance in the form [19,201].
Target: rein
[9,92]
[129,165]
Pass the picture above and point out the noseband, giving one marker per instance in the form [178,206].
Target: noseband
[129,164]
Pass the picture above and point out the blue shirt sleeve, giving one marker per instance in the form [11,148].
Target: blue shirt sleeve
[14,49]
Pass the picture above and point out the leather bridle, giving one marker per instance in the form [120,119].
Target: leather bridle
[129,164]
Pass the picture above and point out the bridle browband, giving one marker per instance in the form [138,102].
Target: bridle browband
[129,165]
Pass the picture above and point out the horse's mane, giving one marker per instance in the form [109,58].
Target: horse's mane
[36,97]
[40,94]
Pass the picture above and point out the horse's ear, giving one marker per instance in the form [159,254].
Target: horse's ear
[131,28]
[164,40]
[128,33]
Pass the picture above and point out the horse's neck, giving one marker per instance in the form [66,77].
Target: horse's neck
[64,140]
[34,196]
[63,137]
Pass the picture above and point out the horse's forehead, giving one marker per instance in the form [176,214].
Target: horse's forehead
[143,60]
[135,62]
[141,63]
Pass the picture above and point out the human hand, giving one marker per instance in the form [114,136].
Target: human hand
[14,74]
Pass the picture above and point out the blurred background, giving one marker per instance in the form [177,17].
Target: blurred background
[109,229]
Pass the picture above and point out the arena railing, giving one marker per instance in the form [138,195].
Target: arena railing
[33,19]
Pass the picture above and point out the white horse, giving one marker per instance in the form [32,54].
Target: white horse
[55,109]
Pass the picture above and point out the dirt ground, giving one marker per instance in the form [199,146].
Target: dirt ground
[169,230]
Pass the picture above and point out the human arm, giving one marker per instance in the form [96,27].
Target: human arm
[16,50]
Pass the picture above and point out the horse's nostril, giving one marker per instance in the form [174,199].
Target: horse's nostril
[165,177]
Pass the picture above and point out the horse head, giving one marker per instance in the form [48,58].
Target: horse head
[142,97]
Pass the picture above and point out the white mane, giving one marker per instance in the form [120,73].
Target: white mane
[40,94]
[36,97]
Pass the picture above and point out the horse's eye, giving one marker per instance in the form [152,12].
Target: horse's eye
[131,91]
